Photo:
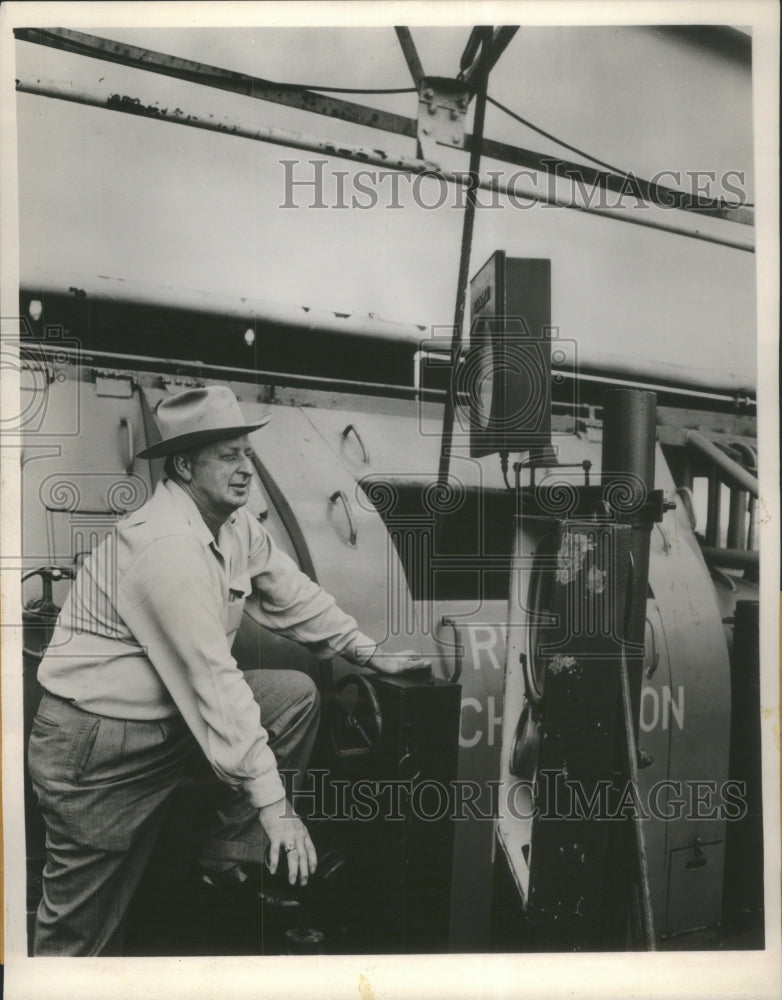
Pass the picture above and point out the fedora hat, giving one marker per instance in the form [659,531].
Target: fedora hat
[197,417]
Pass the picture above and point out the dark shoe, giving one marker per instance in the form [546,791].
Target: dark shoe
[235,879]
[247,883]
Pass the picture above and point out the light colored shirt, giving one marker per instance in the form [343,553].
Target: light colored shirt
[147,629]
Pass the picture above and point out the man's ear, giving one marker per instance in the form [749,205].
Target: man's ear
[183,466]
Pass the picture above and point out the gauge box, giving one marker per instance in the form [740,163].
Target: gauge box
[506,374]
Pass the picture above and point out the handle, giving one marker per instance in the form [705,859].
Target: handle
[48,575]
[652,668]
[666,542]
[124,422]
[689,504]
[446,622]
[340,495]
[364,451]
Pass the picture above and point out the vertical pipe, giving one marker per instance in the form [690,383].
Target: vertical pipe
[713,509]
[629,430]
[752,520]
[685,471]
[629,417]
[476,143]
[737,520]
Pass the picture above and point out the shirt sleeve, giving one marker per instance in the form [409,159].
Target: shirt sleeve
[166,601]
[295,606]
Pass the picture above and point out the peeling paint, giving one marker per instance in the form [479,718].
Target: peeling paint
[559,663]
[365,988]
[596,580]
[572,552]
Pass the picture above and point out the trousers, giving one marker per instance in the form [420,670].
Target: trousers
[103,786]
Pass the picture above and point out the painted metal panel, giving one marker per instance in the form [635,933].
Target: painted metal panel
[80,472]
[695,886]
[365,577]
[693,710]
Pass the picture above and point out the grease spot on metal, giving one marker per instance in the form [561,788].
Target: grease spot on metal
[559,663]
[572,552]
[596,580]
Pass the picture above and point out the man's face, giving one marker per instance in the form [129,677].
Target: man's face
[221,475]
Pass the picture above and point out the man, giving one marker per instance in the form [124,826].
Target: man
[140,666]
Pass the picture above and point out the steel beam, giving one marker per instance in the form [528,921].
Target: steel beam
[591,181]
[725,386]
[362,154]
[501,39]
[410,54]
[482,78]
[79,43]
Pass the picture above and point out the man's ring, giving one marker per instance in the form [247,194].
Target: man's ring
[289,848]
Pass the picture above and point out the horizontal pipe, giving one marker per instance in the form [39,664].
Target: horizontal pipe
[733,473]
[731,558]
[706,385]
[734,401]
[303,99]
[401,391]
[361,154]
[199,368]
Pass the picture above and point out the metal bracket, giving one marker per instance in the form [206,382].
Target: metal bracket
[110,383]
[175,385]
[442,112]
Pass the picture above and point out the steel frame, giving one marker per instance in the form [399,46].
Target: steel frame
[293,96]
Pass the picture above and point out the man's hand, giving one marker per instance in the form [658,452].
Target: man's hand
[287,834]
[398,663]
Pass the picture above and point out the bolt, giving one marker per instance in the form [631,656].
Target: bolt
[428,94]
[456,137]
[426,130]
[462,102]
[432,109]
[454,115]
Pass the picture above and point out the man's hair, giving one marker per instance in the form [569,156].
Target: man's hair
[168,466]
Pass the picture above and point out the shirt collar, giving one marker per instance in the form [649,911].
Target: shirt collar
[189,508]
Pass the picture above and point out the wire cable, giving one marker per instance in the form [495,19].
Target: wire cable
[340,90]
[559,142]
[623,174]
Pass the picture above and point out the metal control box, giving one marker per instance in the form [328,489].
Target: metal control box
[506,375]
